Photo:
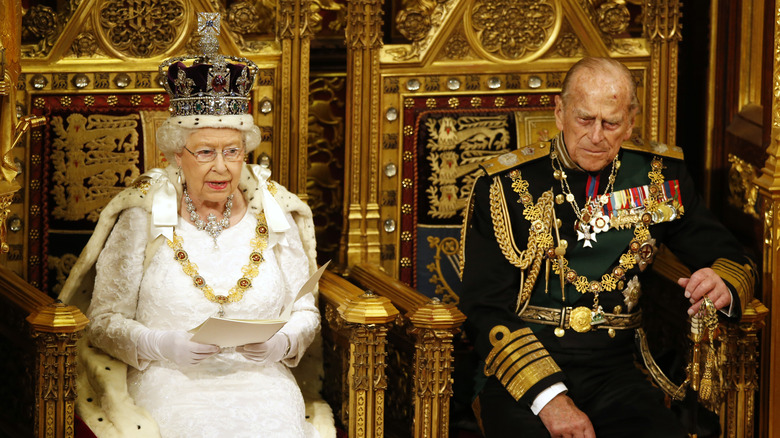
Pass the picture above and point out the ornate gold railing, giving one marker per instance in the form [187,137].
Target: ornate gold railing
[431,325]
[354,329]
[40,335]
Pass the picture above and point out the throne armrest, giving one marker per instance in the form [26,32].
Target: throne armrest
[737,354]
[432,326]
[39,388]
[354,329]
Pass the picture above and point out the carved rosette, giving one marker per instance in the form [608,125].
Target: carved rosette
[613,18]
[250,17]
[85,45]
[512,30]
[457,47]
[43,24]
[568,45]
[414,24]
[141,28]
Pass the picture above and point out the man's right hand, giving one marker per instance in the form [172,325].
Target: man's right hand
[562,418]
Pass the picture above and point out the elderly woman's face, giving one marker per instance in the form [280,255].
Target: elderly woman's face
[214,180]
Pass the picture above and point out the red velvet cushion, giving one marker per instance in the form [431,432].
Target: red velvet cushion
[81,429]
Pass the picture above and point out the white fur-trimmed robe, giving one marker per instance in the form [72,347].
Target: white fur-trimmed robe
[104,402]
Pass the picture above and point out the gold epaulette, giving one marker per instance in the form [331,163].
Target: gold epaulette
[653,147]
[516,158]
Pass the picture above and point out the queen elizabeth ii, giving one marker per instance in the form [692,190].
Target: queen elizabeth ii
[209,235]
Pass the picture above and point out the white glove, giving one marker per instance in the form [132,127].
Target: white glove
[173,345]
[273,350]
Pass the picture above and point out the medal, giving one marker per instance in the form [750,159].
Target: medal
[580,319]
[591,216]
[600,223]
[584,233]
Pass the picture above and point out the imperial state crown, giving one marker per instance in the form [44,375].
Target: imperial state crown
[212,84]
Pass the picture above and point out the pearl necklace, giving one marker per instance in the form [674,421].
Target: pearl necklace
[213,227]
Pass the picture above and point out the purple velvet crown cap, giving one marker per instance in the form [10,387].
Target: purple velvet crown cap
[204,82]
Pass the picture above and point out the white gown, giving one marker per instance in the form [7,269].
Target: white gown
[225,395]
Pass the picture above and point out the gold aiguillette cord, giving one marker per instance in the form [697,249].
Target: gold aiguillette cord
[559,252]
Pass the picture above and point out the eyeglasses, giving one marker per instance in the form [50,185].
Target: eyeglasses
[209,155]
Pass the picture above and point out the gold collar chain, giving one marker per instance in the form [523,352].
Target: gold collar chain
[249,271]
[639,249]
[590,219]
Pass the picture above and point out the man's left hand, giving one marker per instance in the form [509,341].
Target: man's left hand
[705,282]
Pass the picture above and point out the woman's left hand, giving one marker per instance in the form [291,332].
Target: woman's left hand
[270,351]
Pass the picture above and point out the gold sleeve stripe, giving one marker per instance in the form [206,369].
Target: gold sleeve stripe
[518,360]
[742,277]
[508,345]
[518,355]
[521,378]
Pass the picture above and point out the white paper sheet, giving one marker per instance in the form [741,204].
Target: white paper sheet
[226,332]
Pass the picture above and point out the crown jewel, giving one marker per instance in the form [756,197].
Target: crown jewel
[210,85]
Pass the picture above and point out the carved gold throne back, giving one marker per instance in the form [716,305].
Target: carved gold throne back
[459,82]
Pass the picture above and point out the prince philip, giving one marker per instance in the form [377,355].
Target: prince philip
[557,239]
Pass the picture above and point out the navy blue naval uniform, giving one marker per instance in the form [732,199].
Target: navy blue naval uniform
[512,294]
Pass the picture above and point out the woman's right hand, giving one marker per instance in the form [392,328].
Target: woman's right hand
[173,345]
